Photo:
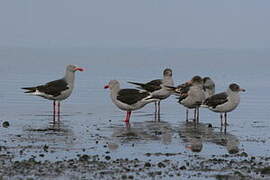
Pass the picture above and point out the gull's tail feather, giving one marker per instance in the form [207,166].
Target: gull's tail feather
[135,83]
[204,104]
[139,85]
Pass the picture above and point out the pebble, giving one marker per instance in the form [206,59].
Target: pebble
[5,124]
[107,158]
[147,164]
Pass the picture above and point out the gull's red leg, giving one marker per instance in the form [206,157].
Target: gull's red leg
[128,116]
[126,120]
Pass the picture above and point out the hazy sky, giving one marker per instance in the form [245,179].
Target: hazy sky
[135,23]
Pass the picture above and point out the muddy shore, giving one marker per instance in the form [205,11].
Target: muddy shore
[232,165]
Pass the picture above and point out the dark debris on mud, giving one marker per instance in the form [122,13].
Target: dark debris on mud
[105,167]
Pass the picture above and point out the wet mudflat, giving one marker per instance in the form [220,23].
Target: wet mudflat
[91,141]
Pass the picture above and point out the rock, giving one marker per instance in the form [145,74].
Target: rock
[244,154]
[161,165]
[30,178]
[239,174]
[234,151]
[183,167]
[147,164]
[265,170]
[5,124]
[130,177]
[45,148]
[84,157]
[124,176]
[148,154]
[107,158]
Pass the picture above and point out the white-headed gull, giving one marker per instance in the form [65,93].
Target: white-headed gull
[128,99]
[57,90]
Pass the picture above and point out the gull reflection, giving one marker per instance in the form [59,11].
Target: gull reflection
[54,134]
[148,130]
[196,135]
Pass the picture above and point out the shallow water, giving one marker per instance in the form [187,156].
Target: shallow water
[91,124]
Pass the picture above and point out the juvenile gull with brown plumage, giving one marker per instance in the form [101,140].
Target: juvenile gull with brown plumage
[194,97]
[208,87]
[191,95]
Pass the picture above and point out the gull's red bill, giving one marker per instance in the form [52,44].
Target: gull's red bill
[79,69]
